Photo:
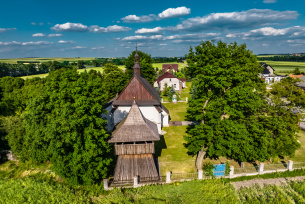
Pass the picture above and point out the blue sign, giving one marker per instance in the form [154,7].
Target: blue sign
[219,170]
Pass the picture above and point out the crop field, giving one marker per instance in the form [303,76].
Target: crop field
[293,192]
[282,67]
[60,59]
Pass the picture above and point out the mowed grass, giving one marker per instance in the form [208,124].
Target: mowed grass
[178,111]
[171,152]
[282,67]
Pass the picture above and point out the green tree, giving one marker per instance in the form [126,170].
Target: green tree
[296,71]
[228,100]
[146,64]
[80,64]
[114,80]
[180,75]
[96,63]
[166,89]
[64,125]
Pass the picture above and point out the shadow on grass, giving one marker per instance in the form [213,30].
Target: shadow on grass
[159,145]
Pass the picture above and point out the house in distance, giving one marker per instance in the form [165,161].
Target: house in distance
[145,96]
[169,68]
[171,80]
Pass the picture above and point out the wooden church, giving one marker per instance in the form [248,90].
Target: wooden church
[145,96]
[134,135]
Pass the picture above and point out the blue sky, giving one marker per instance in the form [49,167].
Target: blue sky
[95,28]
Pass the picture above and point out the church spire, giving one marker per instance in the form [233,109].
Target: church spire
[137,67]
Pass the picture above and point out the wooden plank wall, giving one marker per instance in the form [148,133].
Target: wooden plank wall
[125,149]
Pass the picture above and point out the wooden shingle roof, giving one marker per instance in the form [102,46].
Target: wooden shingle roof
[140,90]
[135,128]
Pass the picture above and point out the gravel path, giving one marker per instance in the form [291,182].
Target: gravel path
[262,182]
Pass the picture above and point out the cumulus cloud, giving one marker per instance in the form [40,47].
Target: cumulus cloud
[2,30]
[174,12]
[66,42]
[156,30]
[235,20]
[33,23]
[109,29]
[78,27]
[38,43]
[139,19]
[71,27]
[139,38]
[78,47]
[97,48]
[54,35]
[269,1]
[173,38]
[27,43]
[39,35]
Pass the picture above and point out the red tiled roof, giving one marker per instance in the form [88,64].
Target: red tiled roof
[167,66]
[295,76]
[167,75]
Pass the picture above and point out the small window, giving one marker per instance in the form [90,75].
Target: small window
[170,79]
[174,85]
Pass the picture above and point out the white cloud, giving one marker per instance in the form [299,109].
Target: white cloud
[138,19]
[155,30]
[235,20]
[38,43]
[33,23]
[109,29]
[54,35]
[39,35]
[41,24]
[71,27]
[143,38]
[78,47]
[27,43]
[174,12]
[269,1]
[2,30]
[162,44]
[97,48]
[78,27]
[66,42]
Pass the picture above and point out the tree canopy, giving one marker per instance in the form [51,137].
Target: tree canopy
[146,64]
[229,101]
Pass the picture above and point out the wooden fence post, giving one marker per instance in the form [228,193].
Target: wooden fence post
[105,184]
[200,174]
[135,181]
[231,171]
[261,168]
[186,99]
[290,165]
[168,177]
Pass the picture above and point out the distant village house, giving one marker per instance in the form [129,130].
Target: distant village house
[171,80]
[169,68]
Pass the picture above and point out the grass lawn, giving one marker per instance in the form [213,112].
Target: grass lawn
[172,153]
[282,67]
[178,111]
[300,153]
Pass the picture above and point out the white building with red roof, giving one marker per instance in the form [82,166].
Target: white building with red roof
[171,80]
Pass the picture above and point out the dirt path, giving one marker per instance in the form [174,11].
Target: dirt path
[262,182]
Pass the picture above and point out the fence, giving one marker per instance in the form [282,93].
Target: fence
[234,172]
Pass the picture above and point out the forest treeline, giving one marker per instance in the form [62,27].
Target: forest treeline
[289,58]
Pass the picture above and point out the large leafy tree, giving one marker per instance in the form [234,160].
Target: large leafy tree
[146,64]
[228,100]
[114,80]
[64,125]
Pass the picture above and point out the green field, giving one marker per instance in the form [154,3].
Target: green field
[284,67]
[59,59]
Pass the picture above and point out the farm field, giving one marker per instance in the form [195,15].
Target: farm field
[60,59]
[282,67]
